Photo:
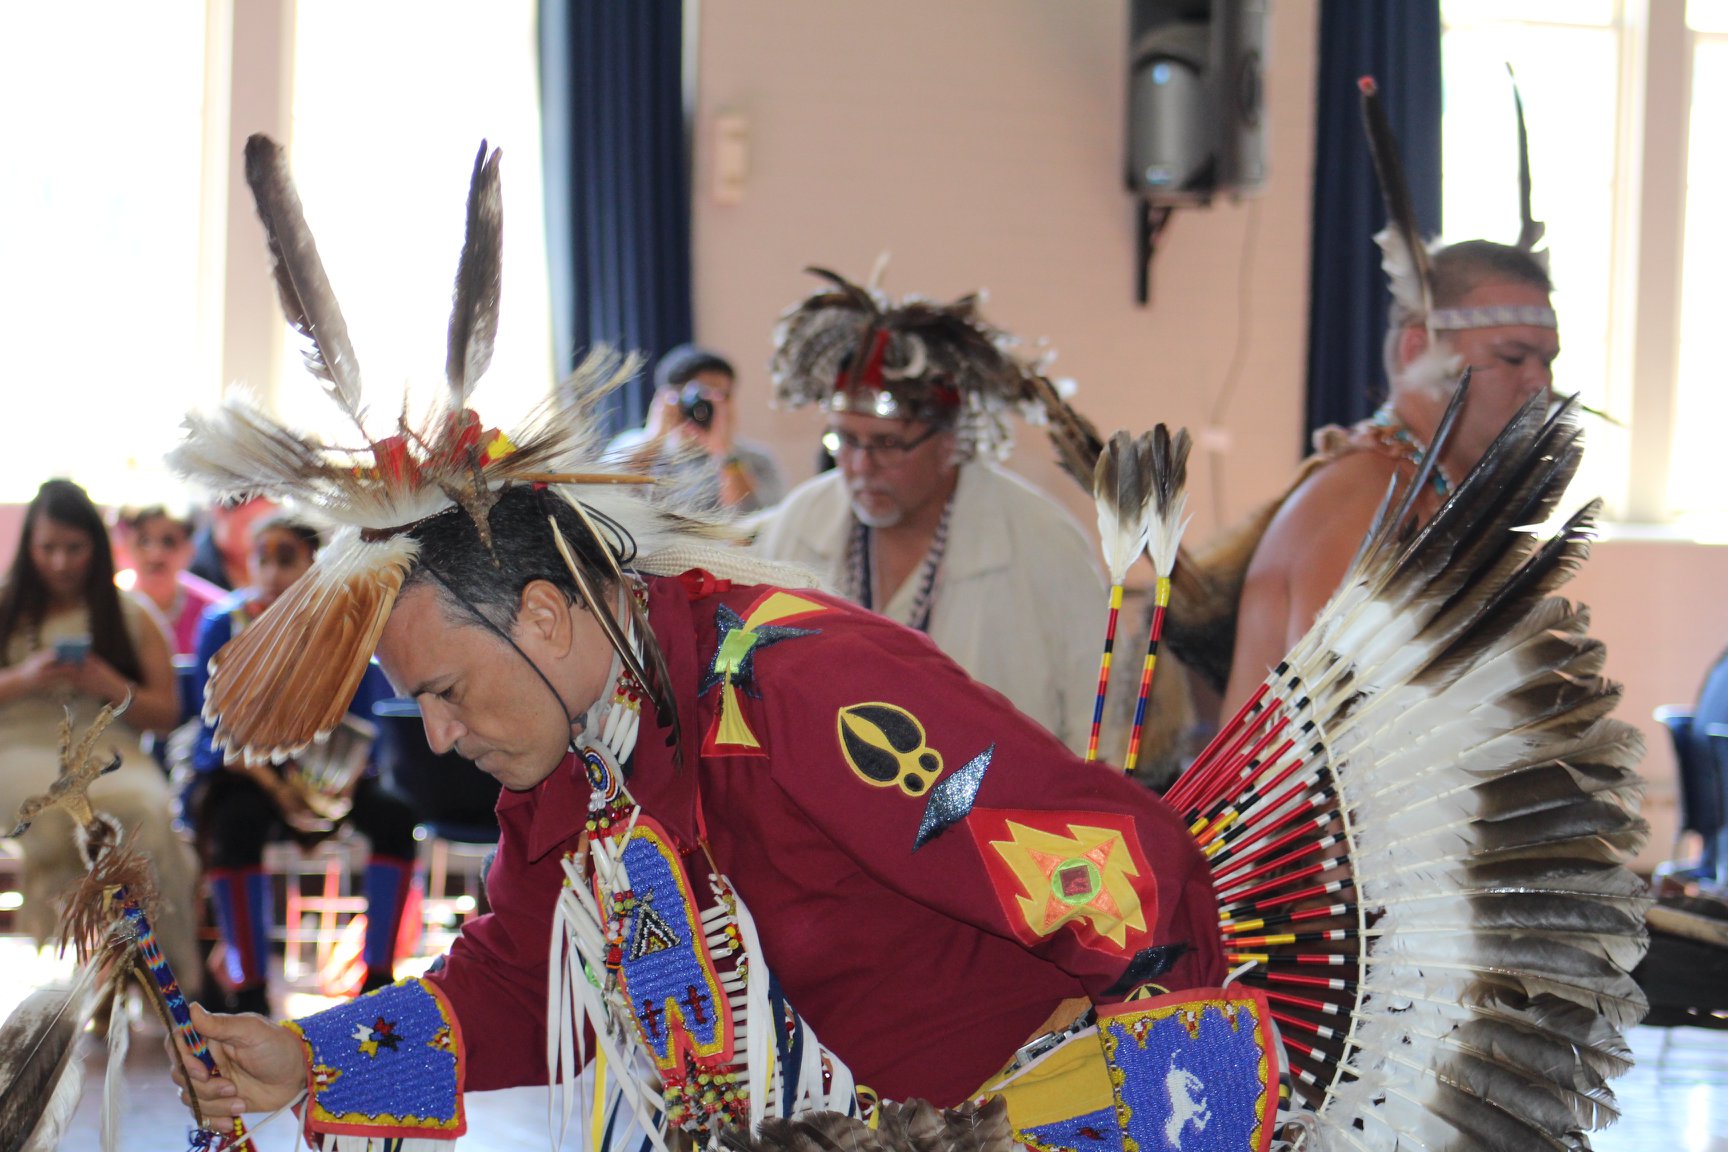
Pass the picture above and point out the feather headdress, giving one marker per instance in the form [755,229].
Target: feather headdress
[1407,259]
[288,679]
[849,348]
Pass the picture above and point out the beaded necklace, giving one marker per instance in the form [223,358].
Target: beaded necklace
[1395,437]
[623,913]
[861,571]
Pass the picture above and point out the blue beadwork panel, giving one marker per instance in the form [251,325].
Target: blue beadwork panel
[1092,1132]
[665,967]
[384,1065]
[1193,1069]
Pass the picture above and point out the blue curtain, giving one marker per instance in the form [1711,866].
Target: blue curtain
[1397,43]
[617,184]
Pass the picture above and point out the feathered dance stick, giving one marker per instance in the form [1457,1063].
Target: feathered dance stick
[1122,486]
[1168,465]
[107,922]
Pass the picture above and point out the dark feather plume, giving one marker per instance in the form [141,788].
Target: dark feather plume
[1411,286]
[1122,490]
[307,299]
[1530,229]
[1169,512]
[36,1048]
[479,279]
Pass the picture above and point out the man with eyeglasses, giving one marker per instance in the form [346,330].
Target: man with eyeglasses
[918,522]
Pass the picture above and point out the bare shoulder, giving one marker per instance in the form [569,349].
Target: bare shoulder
[1332,508]
[1301,559]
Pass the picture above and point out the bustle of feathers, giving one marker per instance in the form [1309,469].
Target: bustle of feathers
[928,345]
[1404,256]
[1477,805]
[1122,488]
[286,681]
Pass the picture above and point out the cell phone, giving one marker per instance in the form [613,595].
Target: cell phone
[71,649]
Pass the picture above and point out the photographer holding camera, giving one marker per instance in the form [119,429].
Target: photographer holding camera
[689,437]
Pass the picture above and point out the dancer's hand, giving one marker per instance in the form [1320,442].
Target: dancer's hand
[263,1067]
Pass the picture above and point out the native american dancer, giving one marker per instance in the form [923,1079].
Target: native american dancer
[771,861]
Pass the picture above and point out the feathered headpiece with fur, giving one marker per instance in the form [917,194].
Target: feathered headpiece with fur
[1406,257]
[850,348]
[288,679]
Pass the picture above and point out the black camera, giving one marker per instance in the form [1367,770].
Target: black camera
[694,406]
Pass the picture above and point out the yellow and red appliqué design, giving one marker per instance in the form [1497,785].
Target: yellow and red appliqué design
[732,668]
[387,1064]
[1083,870]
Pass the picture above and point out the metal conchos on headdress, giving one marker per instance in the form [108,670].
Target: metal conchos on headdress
[849,348]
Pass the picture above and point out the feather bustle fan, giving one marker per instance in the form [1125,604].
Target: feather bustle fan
[1447,946]
[1472,714]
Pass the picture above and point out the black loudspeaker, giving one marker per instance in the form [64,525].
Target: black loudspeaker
[1196,125]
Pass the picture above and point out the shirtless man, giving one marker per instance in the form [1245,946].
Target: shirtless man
[1492,314]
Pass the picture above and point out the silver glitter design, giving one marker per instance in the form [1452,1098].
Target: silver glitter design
[951,800]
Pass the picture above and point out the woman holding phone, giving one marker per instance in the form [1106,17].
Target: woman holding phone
[70,641]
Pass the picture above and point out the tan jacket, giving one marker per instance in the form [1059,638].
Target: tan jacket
[1020,599]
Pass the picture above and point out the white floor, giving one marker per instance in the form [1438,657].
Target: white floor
[1674,1100]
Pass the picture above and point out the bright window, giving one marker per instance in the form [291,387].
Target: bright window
[391,101]
[105,344]
[113,248]
[1697,479]
[1594,76]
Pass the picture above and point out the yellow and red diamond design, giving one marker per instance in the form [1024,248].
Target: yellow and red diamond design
[1081,869]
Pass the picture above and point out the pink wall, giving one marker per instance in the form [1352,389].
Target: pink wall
[979,142]
[1660,607]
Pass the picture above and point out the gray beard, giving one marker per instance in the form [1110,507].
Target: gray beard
[876,520]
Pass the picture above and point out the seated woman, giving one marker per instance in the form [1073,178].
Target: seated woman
[237,808]
[158,545]
[69,641]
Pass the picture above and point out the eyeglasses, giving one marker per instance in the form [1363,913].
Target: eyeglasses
[886,451]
